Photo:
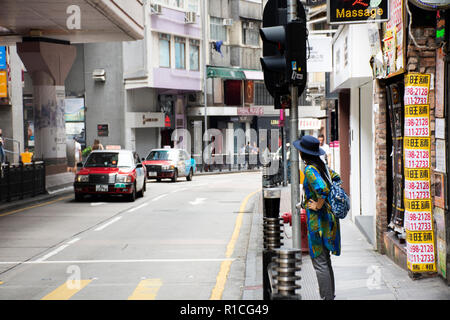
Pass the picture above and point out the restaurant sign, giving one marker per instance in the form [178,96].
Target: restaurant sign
[357,11]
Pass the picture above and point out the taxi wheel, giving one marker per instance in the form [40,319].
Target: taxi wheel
[175,176]
[141,193]
[132,196]
[189,177]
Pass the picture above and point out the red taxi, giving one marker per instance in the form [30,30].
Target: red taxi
[111,172]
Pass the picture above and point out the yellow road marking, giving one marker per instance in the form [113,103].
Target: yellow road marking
[35,206]
[66,290]
[225,266]
[146,290]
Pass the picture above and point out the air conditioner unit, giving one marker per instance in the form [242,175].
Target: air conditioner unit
[227,22]
[99,75]
[190,17]
[156,9]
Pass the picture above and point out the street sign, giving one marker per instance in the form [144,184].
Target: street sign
[357,11]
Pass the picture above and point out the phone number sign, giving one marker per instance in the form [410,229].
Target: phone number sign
[418,221]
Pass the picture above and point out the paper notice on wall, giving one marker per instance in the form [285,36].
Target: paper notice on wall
[417,163]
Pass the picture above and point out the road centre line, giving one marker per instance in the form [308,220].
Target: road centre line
[138,207]
[58,250]
[160,197]
[118,261]
[108,223]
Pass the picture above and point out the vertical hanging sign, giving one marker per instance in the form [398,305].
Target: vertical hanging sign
[3,73]
[417,151]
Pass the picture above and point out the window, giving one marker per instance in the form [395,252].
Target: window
[193,6]
[194,54]
[164,50]
[233,93]
[218,30]
[172,3]
[250,32]
[180,53]
[177,3]
[262,96]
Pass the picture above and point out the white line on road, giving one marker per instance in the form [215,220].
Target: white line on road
[56,251]
[197,201]
[160,197]
[108,223]
[94,204]
[138,207]
[118,261]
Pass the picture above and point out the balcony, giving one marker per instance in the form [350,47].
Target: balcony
[81,21]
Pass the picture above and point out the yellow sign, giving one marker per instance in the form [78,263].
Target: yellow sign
[419,236]
[417,143]
[417,174]
[418,205]
[419,110]
[3,84]
[417,88]
[425,267]
[417,80]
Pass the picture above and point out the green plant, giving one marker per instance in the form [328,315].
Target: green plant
[86,151]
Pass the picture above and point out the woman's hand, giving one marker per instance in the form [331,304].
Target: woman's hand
[315,205]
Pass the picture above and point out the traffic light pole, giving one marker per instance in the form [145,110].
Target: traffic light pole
[295,174]
[293,121]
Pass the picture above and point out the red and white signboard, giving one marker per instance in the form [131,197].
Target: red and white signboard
[417,155]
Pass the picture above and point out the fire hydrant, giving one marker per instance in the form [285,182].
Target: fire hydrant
[287,218]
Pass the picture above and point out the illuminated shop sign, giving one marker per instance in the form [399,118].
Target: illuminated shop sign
[357,11]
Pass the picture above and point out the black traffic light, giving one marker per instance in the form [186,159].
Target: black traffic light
[284,50]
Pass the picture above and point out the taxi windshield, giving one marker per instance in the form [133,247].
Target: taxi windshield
[161,155]
[109,160]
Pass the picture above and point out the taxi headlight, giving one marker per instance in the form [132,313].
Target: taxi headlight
[82,178]
[124,178]
[167,167]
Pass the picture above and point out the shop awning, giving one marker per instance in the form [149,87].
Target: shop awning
[253,75]
[225,73]
[234,73]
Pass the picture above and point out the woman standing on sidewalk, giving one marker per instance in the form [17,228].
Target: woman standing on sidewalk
[323,227]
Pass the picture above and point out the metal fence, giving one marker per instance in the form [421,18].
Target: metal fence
[228,162]
[18,181]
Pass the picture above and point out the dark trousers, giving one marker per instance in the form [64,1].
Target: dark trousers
[325,275]
[2,155]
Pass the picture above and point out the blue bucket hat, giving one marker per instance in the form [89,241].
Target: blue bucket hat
[309,145]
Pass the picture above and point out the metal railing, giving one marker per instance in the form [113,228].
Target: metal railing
[18,181]
[228,162]
[7,143]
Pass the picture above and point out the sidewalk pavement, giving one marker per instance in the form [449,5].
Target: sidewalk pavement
[360,272]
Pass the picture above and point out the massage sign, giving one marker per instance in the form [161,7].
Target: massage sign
[417,152]
[357,11]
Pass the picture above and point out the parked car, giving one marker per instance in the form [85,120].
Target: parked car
[169,164]
[111,172]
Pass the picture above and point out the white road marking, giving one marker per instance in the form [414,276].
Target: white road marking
[197,201]
[56,251]
[94,204]
[73,241]
[138,207]
[160,197]
[108,223]
[117,261]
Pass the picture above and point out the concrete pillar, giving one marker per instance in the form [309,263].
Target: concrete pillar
[48,64]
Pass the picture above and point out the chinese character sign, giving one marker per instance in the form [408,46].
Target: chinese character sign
[417,151]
